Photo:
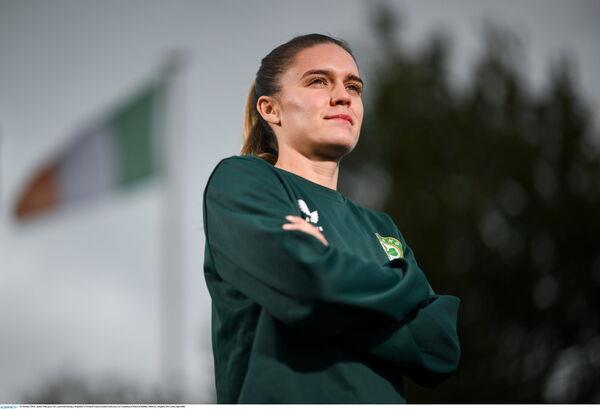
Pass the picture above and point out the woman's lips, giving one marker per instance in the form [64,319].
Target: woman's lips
[342,117]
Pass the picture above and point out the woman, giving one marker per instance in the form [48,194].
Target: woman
[315,299]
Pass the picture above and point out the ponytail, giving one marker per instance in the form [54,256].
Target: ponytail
[259,139]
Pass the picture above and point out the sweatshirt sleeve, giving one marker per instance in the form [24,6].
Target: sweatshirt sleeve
[297,279]
[425,346]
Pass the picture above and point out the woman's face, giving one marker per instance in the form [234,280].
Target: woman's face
[320,109]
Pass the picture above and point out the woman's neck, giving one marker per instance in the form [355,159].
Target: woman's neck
[322,172]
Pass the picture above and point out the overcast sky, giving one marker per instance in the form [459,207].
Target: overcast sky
[80,290]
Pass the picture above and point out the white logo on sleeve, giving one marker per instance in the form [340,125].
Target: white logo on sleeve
[311,217]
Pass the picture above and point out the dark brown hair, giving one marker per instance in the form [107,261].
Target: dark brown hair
[259,138]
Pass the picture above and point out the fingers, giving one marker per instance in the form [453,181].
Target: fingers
[298,223]
[297,219]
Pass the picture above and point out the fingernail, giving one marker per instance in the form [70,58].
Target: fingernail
[286,226]
[289,217]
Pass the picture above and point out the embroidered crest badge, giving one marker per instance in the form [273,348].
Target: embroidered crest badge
[392,246]
[311,217]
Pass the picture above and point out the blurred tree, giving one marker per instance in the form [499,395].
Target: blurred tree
[497,190]
[75,388]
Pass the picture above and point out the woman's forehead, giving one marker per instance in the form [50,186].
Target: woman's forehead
[323,57]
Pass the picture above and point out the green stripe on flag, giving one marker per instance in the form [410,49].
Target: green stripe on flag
[135,143]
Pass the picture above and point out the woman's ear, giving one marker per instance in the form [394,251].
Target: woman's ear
[268,108]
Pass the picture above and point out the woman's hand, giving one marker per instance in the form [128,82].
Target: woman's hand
[298,223]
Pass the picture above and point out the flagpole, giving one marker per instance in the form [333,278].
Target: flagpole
[1,174]
[171,289]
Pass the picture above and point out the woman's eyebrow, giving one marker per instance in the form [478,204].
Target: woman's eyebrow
[329,73]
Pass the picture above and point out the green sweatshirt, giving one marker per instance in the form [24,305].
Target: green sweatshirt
[295,321]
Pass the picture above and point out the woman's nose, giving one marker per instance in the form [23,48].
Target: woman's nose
[340,95]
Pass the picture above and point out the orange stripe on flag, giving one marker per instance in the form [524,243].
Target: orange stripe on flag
[41,195]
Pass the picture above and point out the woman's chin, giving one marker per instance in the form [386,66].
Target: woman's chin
[337,148]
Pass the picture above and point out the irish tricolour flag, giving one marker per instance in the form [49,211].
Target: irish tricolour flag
[119,150]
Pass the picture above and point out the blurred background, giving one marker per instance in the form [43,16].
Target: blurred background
[480,139]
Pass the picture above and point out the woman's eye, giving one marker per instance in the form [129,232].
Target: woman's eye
[317,81]
[355,88]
